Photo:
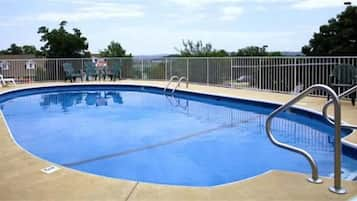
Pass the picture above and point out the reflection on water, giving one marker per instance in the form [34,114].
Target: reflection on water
[290,131]
[68,100]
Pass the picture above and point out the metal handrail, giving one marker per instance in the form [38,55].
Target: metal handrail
[178,103]
[315,176]
[170,81]
[324,109]
[179,82]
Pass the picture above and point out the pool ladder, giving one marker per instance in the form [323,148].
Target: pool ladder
[175,77]
[184,106]
[336,188]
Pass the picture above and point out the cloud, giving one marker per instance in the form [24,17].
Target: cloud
[197,3]
[164,40]
[7,24]
[94,11]
[187,18]
[261,8]
[297,4]
[231,13]
[314,4]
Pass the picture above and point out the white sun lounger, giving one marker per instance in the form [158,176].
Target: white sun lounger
[4,80]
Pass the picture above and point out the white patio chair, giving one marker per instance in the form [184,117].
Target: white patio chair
[5,80]
[298,88]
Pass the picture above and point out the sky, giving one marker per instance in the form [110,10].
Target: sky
[146,27]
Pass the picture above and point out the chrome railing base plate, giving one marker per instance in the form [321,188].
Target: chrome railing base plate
[337,191]
[337,154]
[315,181]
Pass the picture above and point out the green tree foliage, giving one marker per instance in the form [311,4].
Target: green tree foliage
[18,50]
[255,51]
[14,49]
[198,49]
[61,43]
[275,54]
[251,51]
[30,49]
[114,49]
[338,37]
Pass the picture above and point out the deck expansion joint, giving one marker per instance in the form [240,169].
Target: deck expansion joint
[160,144]
[132,191]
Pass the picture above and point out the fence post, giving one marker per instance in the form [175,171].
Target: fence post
[57,76]
[165,68]
[231,73]
[122,71]
[142,68]
[82,64]
[207,69]
[170,68]
[260,73]
[187,69]
[295,73]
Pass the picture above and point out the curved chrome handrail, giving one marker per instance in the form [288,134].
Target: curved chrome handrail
[179,82]
[315,176]
[170,81]
[178,103]
[324,109]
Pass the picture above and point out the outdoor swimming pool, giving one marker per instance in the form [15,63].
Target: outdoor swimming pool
[138,133]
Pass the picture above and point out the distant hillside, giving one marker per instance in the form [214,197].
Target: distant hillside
[155,56]
[292,54]
[160,56]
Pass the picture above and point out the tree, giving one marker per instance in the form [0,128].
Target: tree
[18,50]
[30,49]
[114,49]
[61,43]
[198,49]
[255,51]
[251,51]
[14,49]
[275,54]
[338,37]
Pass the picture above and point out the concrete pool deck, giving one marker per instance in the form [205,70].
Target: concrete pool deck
[21,178]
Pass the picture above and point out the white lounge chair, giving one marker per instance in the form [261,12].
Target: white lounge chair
[4,80]
[298,88]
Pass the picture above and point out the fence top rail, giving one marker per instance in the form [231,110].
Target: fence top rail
[186,58]
[267,57]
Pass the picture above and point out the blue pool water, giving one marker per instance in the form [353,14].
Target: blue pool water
[140,134]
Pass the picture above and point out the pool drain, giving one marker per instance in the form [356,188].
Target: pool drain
[49,170]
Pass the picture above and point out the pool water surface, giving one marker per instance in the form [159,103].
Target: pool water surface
[141,134]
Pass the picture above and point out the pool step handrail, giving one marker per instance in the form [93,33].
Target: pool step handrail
[337,188]
[179,82]
[330,120]
[172,78]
